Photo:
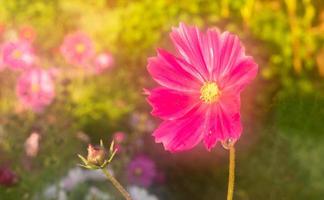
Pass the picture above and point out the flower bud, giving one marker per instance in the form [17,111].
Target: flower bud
[96,155]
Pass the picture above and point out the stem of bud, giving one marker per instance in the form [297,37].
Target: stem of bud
[114,181]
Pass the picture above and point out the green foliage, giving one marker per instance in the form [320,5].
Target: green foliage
[288,28]
[288,157]
[56,154]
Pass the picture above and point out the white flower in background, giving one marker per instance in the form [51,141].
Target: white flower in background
[32,144]
[50,192]
[95,193]
[95,175]
[62,195]
[53,192]
[75,177]
[138,193]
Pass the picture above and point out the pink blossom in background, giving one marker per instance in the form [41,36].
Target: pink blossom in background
[103,62]
[35,89]
[7,177]
[199,96]
[2,65]
[119,137]
[27,33]
[32,144]
[18,55]
[77,48]
[2,29]
[141,171]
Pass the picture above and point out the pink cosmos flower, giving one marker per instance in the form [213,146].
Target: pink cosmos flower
[7,177]
[18,55]
[77,48]
[27,33]
[35,89]
[141,171]
[199,96]
[2,29]
[32,144]
[119,138]
[2,65]
[102,62]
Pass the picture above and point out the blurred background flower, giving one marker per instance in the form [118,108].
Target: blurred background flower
[17,55]
[36,89]
[32,144]
[102,62]
[138,193]
[27,33]
[141,171]
[77,48]
[7,177]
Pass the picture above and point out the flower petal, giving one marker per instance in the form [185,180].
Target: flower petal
[181,134]
[223,121]
[241,75]
[231,51]
[170,104]
[173,73]
[232,68]
[188,42]
[211,51]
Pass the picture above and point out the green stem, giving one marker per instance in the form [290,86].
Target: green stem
[119,187]
[231,173]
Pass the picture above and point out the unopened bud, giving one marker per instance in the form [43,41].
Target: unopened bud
[96,155]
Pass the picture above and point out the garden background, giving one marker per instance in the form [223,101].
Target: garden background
[279,156]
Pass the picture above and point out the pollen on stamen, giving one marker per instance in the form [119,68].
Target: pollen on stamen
[35,87]
[80,48]
[17,54]
[209,92]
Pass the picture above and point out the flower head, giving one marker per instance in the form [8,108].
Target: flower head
[2,29]
[77,48]
[119,138]
[138,193]
[27,33]
[35,89]
[32,144]
[199,96]
[96,155]
[2,65]
[7,177]
[102,62]
[141,171]
[18,55]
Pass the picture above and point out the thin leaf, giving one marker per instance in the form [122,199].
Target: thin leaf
[83,159]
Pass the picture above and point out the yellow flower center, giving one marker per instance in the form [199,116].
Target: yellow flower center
[209,92]
[17,54]
[35,88]
[138,171]
[80,48]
